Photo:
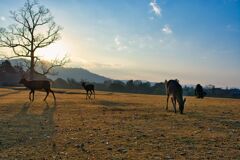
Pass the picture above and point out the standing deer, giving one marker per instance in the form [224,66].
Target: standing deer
[37,85]
[174,89]
[89,88]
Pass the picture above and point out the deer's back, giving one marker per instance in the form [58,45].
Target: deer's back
[90,87]
[174,88]
[199,88]
[38,84]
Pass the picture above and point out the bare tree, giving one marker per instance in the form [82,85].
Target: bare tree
[34,28]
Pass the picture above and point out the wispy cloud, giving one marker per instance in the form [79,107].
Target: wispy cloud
[117,41]
[166,29]
[155,7]
[120,46]
[2,18]
[89,64]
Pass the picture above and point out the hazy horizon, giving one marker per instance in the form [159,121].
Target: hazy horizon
[194,41]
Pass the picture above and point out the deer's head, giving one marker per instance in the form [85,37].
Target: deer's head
[83,83]
[22,80]
[181,106]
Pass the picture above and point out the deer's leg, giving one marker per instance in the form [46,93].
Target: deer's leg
[46,94]
[53,94]
[33,95]
[90,94]
[167,102]
[94,94]
[174,104]
[30,98]
[87,95]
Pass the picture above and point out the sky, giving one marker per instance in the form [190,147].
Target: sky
[195,41]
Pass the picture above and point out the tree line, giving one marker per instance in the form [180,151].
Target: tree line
[145,87]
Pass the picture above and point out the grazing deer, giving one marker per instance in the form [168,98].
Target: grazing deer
[174,89]
[37,85]
[89,88]
[199,93]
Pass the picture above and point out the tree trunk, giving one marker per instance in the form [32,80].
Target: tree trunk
[32,56]
[32,66]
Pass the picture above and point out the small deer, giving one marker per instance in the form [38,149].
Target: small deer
[37,85]
[199,93]
[89,88]
[174,89]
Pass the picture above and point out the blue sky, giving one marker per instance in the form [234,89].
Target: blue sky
[195,41]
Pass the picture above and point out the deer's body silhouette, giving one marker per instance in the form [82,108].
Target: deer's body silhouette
[174,89]
[199,93]
[37,85]
[89,88]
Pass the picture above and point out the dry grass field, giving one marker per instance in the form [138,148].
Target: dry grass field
[116,126]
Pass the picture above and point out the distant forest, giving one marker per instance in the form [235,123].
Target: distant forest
[10,76]
[141,87]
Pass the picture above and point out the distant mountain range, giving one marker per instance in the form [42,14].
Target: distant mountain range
[77,74]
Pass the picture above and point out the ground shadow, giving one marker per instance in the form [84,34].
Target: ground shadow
[27,128]
[9,93]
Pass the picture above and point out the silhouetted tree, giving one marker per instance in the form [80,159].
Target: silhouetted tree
[117,86]
[60,83]
[73,83]
[144,87]
[188,91]
[6,66]
[130,86]
[137,83]
[211,89]
[159,88]
[107,83]
[34,28]
[10,75]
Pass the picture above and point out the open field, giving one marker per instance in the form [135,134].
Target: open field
[116,126]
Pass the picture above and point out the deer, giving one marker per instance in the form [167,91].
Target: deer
[199,93]
[89,88]
[174,89]
[37,85]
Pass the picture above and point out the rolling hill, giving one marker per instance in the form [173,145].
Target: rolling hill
[78,74]
[70,73]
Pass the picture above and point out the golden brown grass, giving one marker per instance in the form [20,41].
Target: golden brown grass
[116,126]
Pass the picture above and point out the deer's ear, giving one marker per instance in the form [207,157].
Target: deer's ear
[184,100]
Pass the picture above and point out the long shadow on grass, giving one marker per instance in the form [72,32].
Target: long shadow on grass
[26,128]
[6,94]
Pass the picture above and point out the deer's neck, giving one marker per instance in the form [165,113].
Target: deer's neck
[26,83]
[180,99]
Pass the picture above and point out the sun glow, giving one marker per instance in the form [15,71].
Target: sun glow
[57,50]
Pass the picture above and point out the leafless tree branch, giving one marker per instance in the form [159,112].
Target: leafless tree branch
[34,28]
[47,67]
